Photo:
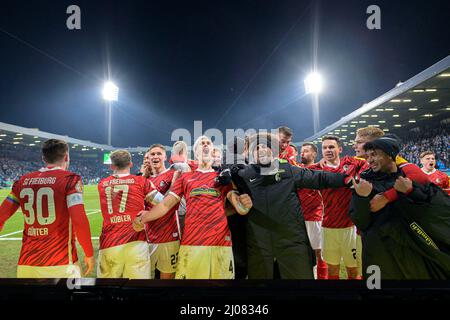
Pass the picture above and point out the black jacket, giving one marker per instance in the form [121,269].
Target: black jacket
[276,228]
[409,238]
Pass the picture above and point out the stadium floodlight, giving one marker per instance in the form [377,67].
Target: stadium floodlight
[313,83]
[110,91]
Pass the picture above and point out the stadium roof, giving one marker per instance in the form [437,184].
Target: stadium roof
[415,103]
[33,137]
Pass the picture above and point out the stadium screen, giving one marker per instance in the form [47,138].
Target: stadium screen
[107,158]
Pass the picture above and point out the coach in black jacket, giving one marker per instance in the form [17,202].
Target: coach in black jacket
[275,228]
[409,238]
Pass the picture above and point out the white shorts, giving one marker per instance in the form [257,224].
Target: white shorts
[205,262]
[314,230]
[339,243]
[66,271]
[130,260]
[164,256]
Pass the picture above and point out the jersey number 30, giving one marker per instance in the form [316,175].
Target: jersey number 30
[28,206]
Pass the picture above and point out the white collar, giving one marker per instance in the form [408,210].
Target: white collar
[334,166]
[205,171]
[155,175]
[45,169]
[121,175]
[429,173]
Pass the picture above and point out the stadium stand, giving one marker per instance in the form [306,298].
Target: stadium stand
[417,111]
[436,140]
[17,160]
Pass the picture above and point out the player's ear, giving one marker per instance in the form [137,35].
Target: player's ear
[131,164]
[112,167]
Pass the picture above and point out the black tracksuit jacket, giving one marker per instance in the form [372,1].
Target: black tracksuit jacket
[409,238]
[275,228]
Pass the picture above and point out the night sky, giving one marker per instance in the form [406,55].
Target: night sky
[231,64]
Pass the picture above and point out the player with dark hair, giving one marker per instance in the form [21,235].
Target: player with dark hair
[286,151]
[312,207]
[406,239]
[51,200]
[338,231]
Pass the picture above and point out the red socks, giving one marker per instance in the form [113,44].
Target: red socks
[322,270]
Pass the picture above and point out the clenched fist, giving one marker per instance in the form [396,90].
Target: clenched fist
[403,185]
[363,188]
[246,201]
[137,223]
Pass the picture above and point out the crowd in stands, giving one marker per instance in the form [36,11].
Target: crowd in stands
[436,140]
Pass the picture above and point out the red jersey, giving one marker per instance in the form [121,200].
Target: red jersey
[288,154]
[122,197]
[439,178]
[336,202]
[311,202]
[206,222]
[164,229]
[44,197]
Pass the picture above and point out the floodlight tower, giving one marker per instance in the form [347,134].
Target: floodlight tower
[110,94]
[314,85]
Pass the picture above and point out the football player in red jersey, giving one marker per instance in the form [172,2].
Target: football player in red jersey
[312,207]
[205,251]
[338,231]
[286,151]
[123,252]
[51,200]
[439,178]
[162,234]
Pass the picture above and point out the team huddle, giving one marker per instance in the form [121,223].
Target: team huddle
[277,216]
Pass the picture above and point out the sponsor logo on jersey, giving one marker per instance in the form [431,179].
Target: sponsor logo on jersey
[162,183]
[438,180]
[204,191]
[345,167]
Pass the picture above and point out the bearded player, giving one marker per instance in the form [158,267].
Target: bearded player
[312,208]
[205,251]
[162,234]
[123,252]
[51,200]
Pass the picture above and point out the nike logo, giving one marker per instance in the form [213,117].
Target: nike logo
[251,180]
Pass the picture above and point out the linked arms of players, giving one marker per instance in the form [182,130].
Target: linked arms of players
[158,211]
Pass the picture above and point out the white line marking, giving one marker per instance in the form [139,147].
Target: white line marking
[20,239]
[16,232]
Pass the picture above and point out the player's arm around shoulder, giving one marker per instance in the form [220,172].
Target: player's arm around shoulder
[158,211]
[241,202]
